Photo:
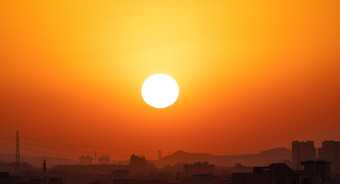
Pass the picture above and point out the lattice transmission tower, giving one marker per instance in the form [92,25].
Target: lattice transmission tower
[17,151]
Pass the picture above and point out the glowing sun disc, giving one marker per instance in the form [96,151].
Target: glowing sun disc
[160,91]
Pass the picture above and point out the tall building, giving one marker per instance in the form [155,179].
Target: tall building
[302,151]
[139,165]
[137,162]
[85,160]
[330,151]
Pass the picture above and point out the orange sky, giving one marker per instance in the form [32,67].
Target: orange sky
[253,75]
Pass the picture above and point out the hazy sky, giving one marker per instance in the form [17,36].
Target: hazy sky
[252,75]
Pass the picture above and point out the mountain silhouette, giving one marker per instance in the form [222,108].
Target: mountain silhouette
[262,158]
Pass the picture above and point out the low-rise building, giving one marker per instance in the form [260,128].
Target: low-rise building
[315,172]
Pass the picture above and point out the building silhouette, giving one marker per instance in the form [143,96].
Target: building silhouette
[315,172]
[4,177]
[120,173]
[201,179]
[153,181]
[317,168]
[330,151]
[198,168]
[302,151]
[122,181]
[138,164]
[85,160]
[104,159]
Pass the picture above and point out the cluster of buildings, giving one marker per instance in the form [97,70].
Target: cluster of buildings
[303,151]
[314,172]
[198,168]
[88,160]
[309,166]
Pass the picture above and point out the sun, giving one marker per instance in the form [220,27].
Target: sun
[160,91]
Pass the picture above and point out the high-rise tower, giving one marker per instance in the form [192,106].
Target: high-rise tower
[330,151]
[302,151]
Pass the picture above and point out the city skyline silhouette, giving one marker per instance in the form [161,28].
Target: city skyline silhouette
[77,153]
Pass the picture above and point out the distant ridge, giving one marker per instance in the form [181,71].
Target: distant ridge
[262,158]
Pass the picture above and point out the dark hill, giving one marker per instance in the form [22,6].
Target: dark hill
[262,158]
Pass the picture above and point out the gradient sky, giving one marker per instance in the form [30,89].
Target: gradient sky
[253,75]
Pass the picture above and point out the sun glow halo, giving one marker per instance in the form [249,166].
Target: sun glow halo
[160,91]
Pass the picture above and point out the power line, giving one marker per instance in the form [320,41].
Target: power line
[55,154]
[50,153]
[4,138]
[84,146]
[7,143]
[24,144]
[65,150]
[88,147]
[54,148]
